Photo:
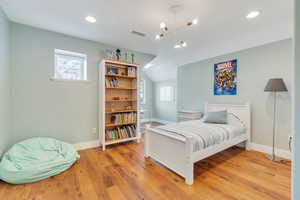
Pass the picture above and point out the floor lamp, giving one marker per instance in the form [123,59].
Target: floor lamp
[275,85]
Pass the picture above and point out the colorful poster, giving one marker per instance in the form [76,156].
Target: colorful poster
[225,78]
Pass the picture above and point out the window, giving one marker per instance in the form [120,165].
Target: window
[70,65]
[142,91]
[166,94]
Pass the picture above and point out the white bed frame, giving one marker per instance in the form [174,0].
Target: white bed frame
[177,153]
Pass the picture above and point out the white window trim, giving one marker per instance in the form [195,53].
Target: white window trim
[68,80]
[144,91]
[70,53]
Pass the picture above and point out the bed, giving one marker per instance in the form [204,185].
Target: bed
[178,147]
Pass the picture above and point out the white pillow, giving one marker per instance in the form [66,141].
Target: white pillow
[217,117]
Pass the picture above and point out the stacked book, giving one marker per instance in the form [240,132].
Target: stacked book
[120,133]
[112,83]
[131,71]
[124,118]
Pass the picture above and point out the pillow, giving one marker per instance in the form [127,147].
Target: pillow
[218,117]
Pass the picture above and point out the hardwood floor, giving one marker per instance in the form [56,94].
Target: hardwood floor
[121,173]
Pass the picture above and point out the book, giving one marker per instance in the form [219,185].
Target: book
[120,133]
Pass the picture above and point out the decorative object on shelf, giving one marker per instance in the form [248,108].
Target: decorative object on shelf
[128,108]
[116,98]
[225,78]
[275,85]
[126,56]
[132,57]
[112,71]
[118,54]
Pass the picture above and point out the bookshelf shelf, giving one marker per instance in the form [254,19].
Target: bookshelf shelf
[119,88]
[120,111]
[116,141]
[120,76]
[119,120]
[123,100]
[122,124]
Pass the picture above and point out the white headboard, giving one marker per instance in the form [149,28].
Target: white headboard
[242,111]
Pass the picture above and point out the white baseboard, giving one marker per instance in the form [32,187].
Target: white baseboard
[266,149]
[86,145]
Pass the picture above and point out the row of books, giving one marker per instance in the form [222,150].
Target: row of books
[121,132]
[112,83]
[123,118]
[131,71]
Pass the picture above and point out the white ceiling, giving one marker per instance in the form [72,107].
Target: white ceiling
[222,26]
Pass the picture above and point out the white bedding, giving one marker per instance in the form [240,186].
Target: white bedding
[204,134]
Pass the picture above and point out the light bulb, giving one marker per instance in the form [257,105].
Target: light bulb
[177,46]
[253,14]
[91,19]
[162,25]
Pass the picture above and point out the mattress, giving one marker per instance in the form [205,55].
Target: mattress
[203,134]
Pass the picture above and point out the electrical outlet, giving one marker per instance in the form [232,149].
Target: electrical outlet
[94,130]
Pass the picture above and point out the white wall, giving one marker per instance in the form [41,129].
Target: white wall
[67,111]
[5,83]
[296,109]
[164,110]
[255,67]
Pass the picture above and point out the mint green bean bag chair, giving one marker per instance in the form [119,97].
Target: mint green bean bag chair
[36,159]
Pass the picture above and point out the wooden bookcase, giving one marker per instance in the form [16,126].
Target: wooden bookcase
[118,102]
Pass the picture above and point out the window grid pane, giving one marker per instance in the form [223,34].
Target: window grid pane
[69,65]
[166,94]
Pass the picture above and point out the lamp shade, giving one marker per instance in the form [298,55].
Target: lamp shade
[276,85]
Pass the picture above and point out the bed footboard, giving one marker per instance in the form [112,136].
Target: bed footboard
[173,152]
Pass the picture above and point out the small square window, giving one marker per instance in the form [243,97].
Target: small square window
[70,65]
[166,94]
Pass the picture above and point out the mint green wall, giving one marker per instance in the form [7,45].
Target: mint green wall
[164,110]
[5,83]
[255,67]
[63,110]
[296,109]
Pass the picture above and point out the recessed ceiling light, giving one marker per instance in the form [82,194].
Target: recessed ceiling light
[253,14]
[195,21]
[148,66]
[91,19]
